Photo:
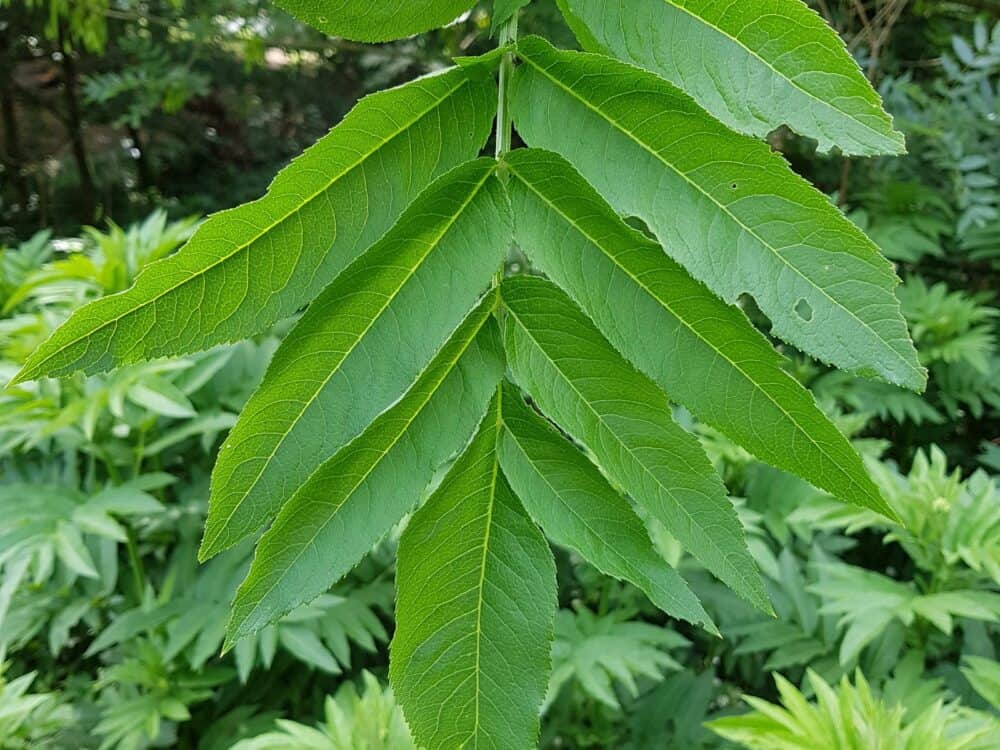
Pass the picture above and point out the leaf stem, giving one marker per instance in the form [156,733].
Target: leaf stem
[505,122]
[506,37]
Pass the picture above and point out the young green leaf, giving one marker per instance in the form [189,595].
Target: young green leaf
[359,346]
[588,389]
[475,606]
[731,211]
[367,21]
[247,267]
[702,352]
[357,496]
[504,10]
[754,66]
[577,508]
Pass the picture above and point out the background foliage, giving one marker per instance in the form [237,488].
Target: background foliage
[147,113]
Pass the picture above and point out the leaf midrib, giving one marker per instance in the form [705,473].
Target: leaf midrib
[389,299]
[627,450]
[380,456]
[666,305]
[480,594]
[724,209]
[780,74]
[268,228]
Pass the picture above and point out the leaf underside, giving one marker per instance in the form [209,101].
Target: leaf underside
[725,206]
[475,608]
[752,66]
[703,353]
[576,507]
[624,419]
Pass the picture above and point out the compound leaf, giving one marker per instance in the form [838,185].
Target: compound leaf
[754,66]
[701,352]
[588,389]
[475,606]
[359,346]
[724,205]
[367,21]
[247,267]
[357,496]
[577,508]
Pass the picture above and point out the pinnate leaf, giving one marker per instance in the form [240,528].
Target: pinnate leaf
[703,353]
[359,346]
[357,496]
[367,21]
[724,205]
[248,267]
[560,358]
[475,607]
[577,508]
[753,66]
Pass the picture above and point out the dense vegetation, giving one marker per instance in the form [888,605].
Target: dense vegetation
[886,632]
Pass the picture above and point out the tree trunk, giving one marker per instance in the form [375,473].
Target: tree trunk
[13,156]
[74,123]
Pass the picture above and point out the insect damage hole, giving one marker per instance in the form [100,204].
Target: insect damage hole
[804,310]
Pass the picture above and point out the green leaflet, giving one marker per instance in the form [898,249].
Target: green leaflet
[577,508]
[357,496]
[359,346]
[475,604]
[731,211]
[702,352]
[247,267]
[573,374]
[754,66]
[367,21]
[504,10]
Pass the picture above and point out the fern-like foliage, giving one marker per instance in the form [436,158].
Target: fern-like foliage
[190,623]
[28,719]
[851,717]
[866,603]
[949,326]
[369,719]
[984,676]
[143,696]
[950,526]
[595,653]
[956,335]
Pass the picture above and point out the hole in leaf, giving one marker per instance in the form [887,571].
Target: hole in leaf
[638,224]
[734,186]
[804,310]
